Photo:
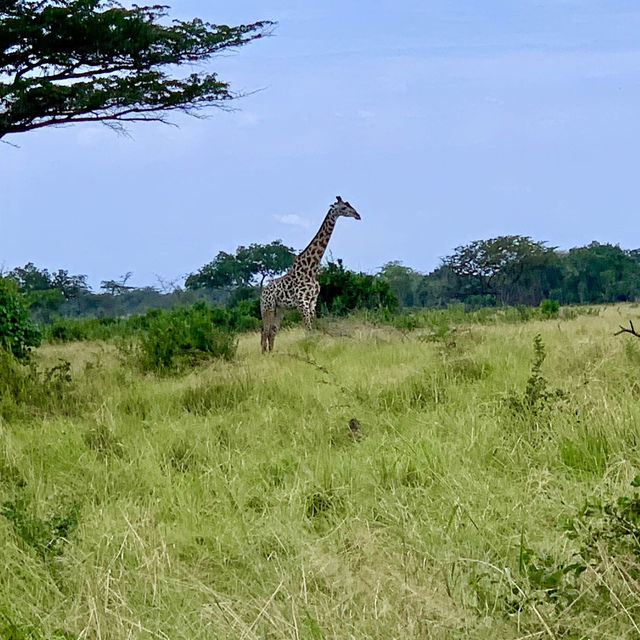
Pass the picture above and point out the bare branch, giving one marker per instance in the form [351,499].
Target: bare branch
[631,330]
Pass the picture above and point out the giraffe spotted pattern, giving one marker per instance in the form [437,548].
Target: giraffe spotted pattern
[299,287]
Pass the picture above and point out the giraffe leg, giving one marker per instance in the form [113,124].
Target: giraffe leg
[275,326]
[307,306]
[266,339]
[313,301]
[307,316]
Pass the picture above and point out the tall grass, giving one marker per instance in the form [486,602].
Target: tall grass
[235,500]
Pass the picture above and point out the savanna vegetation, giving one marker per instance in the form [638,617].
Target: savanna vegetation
[449,455]
[434,473]
[503,271]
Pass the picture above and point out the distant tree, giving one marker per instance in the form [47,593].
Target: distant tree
[65,61]
[17,333]
[343,290]
[266,260]
[70,286]
[405,283]
[30,278]
[442,286]
[496,266]
[117,287]
[46,293]
[488,260]
[247,266]
[600,273]
[168,286]
[634,254]
[223,271]
[44,303]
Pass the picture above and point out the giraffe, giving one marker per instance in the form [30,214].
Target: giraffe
[299,287]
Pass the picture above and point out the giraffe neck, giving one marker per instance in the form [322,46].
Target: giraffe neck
[309,258]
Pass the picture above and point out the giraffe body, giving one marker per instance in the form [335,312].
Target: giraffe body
[299,287]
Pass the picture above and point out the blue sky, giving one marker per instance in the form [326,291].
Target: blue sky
[441,121]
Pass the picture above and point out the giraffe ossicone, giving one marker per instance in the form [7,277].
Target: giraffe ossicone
[299,287]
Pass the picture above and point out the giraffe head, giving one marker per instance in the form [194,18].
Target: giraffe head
[342,208]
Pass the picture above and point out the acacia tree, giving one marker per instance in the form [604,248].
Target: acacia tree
[249,264]
[265,260]
[498,265]
[65,61]
[117,287]
[30,279]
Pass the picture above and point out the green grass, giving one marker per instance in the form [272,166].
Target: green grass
[235,501]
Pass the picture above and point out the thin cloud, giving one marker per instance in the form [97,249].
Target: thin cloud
[292,219]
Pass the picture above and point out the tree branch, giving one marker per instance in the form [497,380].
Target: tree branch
[70,61]
[632,330]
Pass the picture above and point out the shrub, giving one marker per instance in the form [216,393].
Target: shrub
[182,337]
[17,332]
[548,581]
[342,291]
[245,315]
[47,537]
[67,331]
[549,308]
[102,328]
[537,395]
[613,526]
[26,389]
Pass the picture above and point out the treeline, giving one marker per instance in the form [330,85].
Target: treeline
[51,295]
[231,281]
[516,270]
[508,270]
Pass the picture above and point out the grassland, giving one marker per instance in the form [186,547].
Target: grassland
[362,482]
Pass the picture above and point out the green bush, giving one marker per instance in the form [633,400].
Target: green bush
[62,331]
[17,332]
[342,291]
[103,328]
[244,316]
[549,308]
[27,389]
[183,337]
[47,537]
[537,395]
[613,526]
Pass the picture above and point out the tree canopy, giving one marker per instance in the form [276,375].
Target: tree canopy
[512,270]
[249,264]
[30,279]
[65,61]
[343,290]
[405,282]
[601,273]
[17,333]
[507,267]
[117,287]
